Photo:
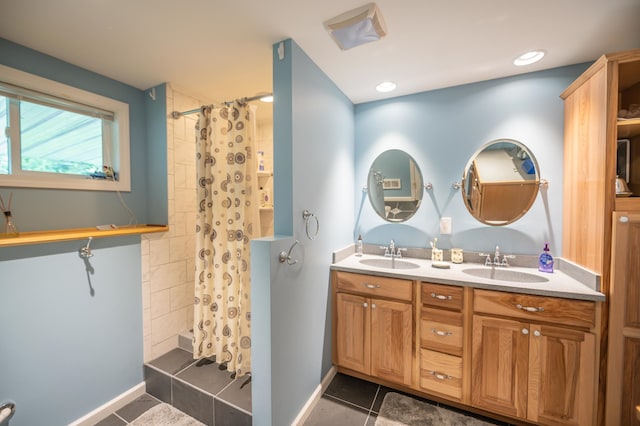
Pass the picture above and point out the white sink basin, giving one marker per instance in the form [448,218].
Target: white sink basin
[505,275]
[386,263]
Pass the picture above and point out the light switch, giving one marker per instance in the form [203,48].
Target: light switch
[445,225]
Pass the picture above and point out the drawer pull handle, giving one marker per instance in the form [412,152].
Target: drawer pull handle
[440,296]
[441,333]
[371,285]
[440,376]
[530,308]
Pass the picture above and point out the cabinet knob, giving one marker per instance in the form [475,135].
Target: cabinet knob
[373,306]
[440,296]
[525,331]
[537,333]
[365,305]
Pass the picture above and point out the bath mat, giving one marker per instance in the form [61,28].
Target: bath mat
[401,410]
[164,414]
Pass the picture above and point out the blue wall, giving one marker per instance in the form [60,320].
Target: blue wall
[72,335]
[291,304]
[71,331]
[441,130]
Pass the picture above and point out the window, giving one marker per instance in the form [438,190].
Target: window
[57,136]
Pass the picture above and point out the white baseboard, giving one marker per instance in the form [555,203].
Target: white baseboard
[315,397]
[115,404]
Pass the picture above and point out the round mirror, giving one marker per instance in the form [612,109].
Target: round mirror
[395,186]
[500,182]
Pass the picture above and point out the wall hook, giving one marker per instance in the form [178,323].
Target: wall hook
[85,252]
[286,257]
[456,185]
[428,186]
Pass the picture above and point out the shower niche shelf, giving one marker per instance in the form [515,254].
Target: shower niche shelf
[41,237]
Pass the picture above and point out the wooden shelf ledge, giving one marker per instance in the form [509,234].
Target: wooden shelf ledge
[40,237]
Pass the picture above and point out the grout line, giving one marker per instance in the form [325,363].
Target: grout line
[233,406]
[345,401]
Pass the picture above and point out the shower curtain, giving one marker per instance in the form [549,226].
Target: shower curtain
[228,217]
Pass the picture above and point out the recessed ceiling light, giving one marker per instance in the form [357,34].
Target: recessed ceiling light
[386,86]
[528,57]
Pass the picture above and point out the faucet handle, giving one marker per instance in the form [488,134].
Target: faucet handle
[399,252]
[505,257]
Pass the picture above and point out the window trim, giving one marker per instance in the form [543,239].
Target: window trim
[120,134]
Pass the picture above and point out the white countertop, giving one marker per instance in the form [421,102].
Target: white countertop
[559,284]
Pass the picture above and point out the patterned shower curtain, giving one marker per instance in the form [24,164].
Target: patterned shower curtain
[228,217]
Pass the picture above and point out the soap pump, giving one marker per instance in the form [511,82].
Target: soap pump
[545,263]
[359,246]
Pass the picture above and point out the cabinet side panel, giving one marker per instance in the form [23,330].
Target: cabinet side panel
[585,152]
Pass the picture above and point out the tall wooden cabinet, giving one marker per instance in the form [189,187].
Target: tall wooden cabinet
[592,130]
[623,392]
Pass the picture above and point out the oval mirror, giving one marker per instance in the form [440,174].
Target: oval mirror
[395,186]
[500,182]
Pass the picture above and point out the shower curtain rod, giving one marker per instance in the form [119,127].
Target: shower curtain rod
[178,114]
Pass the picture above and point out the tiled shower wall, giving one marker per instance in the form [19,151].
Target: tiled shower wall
[168,270]
[168,258]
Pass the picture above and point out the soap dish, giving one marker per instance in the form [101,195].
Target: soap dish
[441,265]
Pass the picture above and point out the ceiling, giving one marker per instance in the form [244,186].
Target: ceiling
[220,50]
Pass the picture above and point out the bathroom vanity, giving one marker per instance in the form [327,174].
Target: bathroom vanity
[520,347]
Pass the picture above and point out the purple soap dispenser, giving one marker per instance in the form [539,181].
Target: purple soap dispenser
[545,263]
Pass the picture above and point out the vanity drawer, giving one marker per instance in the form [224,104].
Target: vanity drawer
[442,296]
[441,373]
[579,313]
[393,288]
[441,331]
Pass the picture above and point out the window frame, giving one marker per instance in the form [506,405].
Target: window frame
[116,146]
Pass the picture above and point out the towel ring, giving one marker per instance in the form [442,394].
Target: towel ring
[307,215]
[286,257]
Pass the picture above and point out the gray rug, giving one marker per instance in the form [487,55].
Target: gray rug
[164,415]
[400,410]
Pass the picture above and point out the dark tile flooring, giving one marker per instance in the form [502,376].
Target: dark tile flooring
[207,392]
[349,401]
[202,389]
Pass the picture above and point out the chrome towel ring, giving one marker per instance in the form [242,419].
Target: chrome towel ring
[307,216]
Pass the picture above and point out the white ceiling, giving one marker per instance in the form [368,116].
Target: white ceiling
[221,50]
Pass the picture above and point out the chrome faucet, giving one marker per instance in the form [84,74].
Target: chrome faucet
[496,258]
[393,252]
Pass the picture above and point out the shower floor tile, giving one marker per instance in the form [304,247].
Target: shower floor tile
[173,361]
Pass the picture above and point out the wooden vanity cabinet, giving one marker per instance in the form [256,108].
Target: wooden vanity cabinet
[533,357]
[442,340]
[373,326]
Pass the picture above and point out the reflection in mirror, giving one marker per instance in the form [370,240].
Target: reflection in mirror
[395,186]
[500,182]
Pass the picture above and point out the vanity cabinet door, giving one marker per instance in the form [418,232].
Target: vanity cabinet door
[500,360]
[391,340]
[561,376]
[353,332]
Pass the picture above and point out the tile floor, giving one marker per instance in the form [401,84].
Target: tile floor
[202,389]
[349,401]
[207,392]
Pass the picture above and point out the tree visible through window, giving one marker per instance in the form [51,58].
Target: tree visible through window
[58,141]
[58,136]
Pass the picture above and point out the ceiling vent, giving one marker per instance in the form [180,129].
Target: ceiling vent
[358,26]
